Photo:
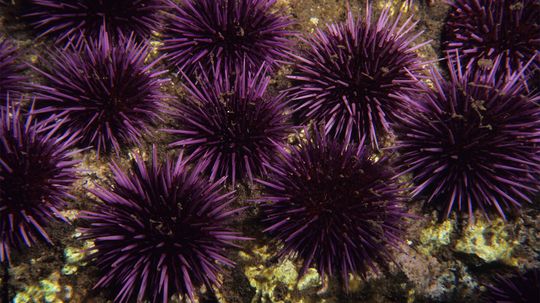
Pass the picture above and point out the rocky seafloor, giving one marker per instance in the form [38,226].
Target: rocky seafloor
[442,260]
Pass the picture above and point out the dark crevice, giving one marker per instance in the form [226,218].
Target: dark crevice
[5,282]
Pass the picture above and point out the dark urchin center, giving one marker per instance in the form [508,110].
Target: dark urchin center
[466,145]
[27,184]
[120,95]
[331,192]
[237,135]
[233,38]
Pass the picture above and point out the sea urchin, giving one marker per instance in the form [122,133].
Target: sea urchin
[107,92]
[234,123]
[160,230]
[350,72]
[36,171]
[482,30]
[222,34]
[521,288]
[85,18]
[10,70]
[472,142]
[333,206]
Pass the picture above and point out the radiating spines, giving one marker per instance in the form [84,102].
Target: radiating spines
[472,142]
[71,20]
[110,93]
[482,30]
[334,206]
[160,230]
[520,288]
[349,73]
[36,172]
[223,34]
[235,123]
[11,79]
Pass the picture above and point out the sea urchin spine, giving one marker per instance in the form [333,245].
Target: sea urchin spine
[225,34]
[350,72]
[472,142]
[333,206]
[234,123]
[482,30]
[36,172]
[160,230]
[107,92]
[521,288]
[10,71]
[68,20]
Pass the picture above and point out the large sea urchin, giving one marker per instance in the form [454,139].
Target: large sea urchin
[160,230]
[222,34]
[522,288]
[349,74]
[106,91]
[473,141]
[10,70]
[75,18]
[333,206]
[235,124]
[36,171]
[485,29]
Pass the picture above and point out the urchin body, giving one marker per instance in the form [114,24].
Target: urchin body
[349,73]
[225,34]
[36,172]
[333,207]
[107,92]
[160,230]
[236,124]
[69,20]
[481,30]
[472,142]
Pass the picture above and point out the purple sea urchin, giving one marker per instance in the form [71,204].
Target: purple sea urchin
[473,141]
[235,124]
[348,76]
[66,19]
[10,78]
[106,91]
[485,29]
[160,230]
[333,206]
[522,288]
[222,34]
[36,170]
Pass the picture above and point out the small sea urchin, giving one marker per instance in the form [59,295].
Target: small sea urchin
[36,171]
[333,206]
[473,141]
[223,34]
[107,92]
[349,74]
[522,288]
[66,20]
[160,230]
[485,29]
[10,70]
[236,124]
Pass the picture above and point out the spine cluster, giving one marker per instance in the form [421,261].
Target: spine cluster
[363,129]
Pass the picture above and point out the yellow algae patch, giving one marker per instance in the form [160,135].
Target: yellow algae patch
[277,282]
[396,6]
[489,241]
[48,290]
[75,257]
[435,235]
